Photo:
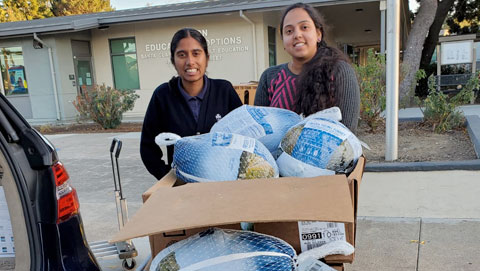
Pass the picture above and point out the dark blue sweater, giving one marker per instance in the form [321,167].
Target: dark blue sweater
[169,112]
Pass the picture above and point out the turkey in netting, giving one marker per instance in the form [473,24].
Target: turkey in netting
[267,124]
[222,157]
[318,146]
[220,250]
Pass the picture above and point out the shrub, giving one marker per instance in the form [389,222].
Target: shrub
[440,110]
[105,105]
[371,79]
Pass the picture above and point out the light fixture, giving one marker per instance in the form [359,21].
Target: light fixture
[37,44]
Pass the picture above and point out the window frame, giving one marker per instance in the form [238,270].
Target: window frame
[3,89]
[272,43]
[123,54]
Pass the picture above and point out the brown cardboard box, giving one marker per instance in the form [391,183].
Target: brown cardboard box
[174,211]
[289,232]
[246,92]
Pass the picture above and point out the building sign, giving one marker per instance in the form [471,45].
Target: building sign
[458,52]
[218,47]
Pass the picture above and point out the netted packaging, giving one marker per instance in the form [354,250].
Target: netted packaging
[318,146]
[222,157]
[267,124]
[220,250]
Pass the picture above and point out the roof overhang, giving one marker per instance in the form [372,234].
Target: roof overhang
[91,21]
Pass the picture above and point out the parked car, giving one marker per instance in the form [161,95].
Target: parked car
[43,207]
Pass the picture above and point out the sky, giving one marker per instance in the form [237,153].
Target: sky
[126,4]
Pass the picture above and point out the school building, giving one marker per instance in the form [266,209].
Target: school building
[45,62]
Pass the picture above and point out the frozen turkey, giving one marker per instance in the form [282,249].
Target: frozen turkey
[219,250]
[267,124]
[222,157]
[318,146]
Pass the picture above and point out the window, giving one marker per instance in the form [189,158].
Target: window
[272,46]
[124,63]
[13,71]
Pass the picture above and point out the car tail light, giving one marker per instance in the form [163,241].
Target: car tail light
[67,200]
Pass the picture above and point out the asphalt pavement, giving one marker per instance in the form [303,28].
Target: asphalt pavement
[407,220]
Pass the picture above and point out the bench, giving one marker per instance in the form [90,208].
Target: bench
[452,83]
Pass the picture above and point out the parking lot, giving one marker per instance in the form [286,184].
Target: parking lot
[424,220]
[87,159]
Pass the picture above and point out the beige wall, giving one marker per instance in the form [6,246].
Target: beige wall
[273,19]
[67,92]
[231,50]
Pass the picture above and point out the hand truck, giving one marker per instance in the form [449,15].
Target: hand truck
[125,250]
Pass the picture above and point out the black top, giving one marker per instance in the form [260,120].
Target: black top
[169,112]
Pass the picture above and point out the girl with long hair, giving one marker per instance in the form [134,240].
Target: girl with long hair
[317,77]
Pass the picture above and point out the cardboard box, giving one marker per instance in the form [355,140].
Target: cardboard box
[246,92]
[173,211]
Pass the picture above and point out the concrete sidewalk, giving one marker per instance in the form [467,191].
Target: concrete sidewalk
[406,220]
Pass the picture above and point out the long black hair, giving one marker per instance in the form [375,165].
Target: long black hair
[316,82]
[184,33]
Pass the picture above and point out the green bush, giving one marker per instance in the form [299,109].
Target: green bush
[440,110]
[371,79]
[105,105]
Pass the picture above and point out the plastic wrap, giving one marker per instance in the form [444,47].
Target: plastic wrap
[318,146]
[222,157]
[267,124]
[220,250]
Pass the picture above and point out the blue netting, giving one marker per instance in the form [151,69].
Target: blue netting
[220,250]
[222,157]
[317,146]
[267,124]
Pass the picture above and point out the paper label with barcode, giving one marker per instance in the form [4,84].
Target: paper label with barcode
[315,233]
[250,124]
[314,265]
[234,141]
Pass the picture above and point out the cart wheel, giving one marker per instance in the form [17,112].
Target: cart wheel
[127,266]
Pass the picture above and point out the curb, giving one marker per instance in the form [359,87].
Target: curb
[417,119]
[423,166]
[473,127]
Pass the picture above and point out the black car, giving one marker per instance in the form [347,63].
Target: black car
[46,229]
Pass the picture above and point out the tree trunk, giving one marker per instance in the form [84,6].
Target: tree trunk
[432,39]
[413,50]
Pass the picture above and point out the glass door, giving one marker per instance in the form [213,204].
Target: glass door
[83,69]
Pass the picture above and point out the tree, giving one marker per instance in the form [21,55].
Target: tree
[413,49]
[434,31]
[75,7]
[463,18]
[21,10]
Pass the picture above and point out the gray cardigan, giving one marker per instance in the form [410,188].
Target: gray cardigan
[347,96]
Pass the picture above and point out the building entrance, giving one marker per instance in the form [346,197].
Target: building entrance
[82,60]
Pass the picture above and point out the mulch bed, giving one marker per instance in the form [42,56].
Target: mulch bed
[416,142]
